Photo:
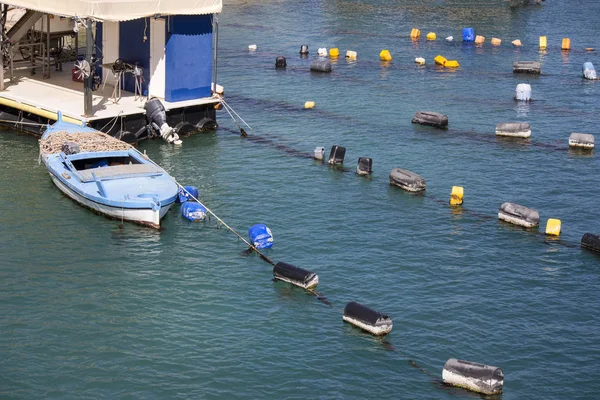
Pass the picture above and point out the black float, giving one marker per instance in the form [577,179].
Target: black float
[479,378]
[365,166]
[280,62]
[295,275]
[336,156]
[320,66]
[430,118]
[367,319]
[591,241]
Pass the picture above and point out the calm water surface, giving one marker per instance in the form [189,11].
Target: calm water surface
[90,310]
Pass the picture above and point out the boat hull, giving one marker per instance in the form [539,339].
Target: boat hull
[142,216]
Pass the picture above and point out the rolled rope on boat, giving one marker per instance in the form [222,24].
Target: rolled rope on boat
[528,67]
[430,118]
[320,66]
[336,155]
[304,49]
[513,129]
[365,166]
[523,92]
[295,275]
[367,319]
[319,153]
[261,236]
[479,378]
[589,72]
[519,215]
[186,193]
[193,211]
[280,62]
[591,241]
[406,180]
[581,140]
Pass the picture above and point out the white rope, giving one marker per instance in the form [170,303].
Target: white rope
[231,108]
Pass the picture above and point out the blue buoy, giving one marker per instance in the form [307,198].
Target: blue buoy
[468,35]
[184,195]
[260,236]
[193,211]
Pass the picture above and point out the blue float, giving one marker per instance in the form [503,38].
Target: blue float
[260,236]
[184,195]
[193,211]
[468,35]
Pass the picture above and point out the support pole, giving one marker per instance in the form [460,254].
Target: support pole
[87,83]
[47,45]
[215,46]
[4,8]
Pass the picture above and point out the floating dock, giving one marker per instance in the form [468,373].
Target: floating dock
[127,60]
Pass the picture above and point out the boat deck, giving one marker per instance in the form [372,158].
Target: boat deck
[60,92]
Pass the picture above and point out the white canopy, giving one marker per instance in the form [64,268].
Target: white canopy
[120,10]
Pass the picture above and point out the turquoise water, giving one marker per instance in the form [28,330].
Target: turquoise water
[92,310]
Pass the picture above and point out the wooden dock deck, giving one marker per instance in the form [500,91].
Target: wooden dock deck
[61,93]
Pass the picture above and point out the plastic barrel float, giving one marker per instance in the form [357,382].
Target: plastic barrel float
[519,215]
[260,236]
[319,153]
[513,129]
[336,155]
[295,275]
[320,66]
[468,35]
[193,211]
[430,118]
[523,92]
[479,378]
[406,180]
[581,140]
[365,166]
[591,241]
[185,193]
[527,67]
[369,320]
[280,62]
[589,72]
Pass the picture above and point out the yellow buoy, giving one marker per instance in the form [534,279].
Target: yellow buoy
[385,55]
[542,42]
[415,33]
[309,104]
[351,55]
[553,227]
[439,60]
[589,49]
[334,53]
[420,60]
[456,196]
[451,64]
[496,42]
[517,43]
[431,36]
[479,39]
[566,44]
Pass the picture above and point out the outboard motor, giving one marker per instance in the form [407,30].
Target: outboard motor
[157,119]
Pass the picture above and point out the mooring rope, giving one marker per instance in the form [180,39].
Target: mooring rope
[226,105]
